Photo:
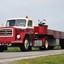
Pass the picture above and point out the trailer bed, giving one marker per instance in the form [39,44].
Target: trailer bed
[45,31]
[56,34]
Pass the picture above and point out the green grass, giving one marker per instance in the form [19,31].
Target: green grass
[15,49]
[57,47]
[33,48]
[52,59]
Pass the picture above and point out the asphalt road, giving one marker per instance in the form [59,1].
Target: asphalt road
[12,56]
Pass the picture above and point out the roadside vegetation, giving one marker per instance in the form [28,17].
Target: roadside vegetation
[52,59]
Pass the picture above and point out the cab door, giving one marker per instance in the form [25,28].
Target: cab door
[30,27]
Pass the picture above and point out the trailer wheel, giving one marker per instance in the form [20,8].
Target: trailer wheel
[46,44]
[62,47]
[26,45]
[62,43]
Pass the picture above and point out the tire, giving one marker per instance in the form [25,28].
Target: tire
[46,44]
[62,43]
[26,45]
[62,47]
[1,48]
[51,47]
[41,48]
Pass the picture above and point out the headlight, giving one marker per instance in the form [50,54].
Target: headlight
[18,36]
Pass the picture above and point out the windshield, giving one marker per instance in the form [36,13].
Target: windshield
[19,22]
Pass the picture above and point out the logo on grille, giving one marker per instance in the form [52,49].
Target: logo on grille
[5,32]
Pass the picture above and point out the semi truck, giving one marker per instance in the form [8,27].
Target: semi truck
[21,32]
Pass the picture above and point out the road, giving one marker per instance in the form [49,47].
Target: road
[12,56]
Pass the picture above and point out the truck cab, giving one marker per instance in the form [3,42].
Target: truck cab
[20,23]
[17,32]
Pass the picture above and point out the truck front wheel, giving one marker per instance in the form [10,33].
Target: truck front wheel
[26,45]
[1,48]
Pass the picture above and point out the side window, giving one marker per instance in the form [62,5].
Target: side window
[30,23]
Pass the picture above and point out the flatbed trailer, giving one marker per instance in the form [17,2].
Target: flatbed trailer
[53,37]
[21,32]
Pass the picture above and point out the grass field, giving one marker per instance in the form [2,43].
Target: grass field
[52,59]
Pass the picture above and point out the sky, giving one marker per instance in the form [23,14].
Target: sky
[51,10]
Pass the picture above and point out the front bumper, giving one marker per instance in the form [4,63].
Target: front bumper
[16,42]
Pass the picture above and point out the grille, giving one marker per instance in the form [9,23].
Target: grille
[5,32]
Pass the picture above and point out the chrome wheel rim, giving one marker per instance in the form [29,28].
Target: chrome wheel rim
[26,44]
[46,44]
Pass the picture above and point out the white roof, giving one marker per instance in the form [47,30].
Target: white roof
[16,18]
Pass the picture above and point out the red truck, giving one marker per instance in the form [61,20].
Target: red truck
[21,32]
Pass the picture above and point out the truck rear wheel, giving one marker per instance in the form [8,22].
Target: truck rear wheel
[26,45]
[46,44]
[41,48]
[51,47]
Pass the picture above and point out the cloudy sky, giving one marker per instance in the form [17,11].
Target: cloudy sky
[51,10]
